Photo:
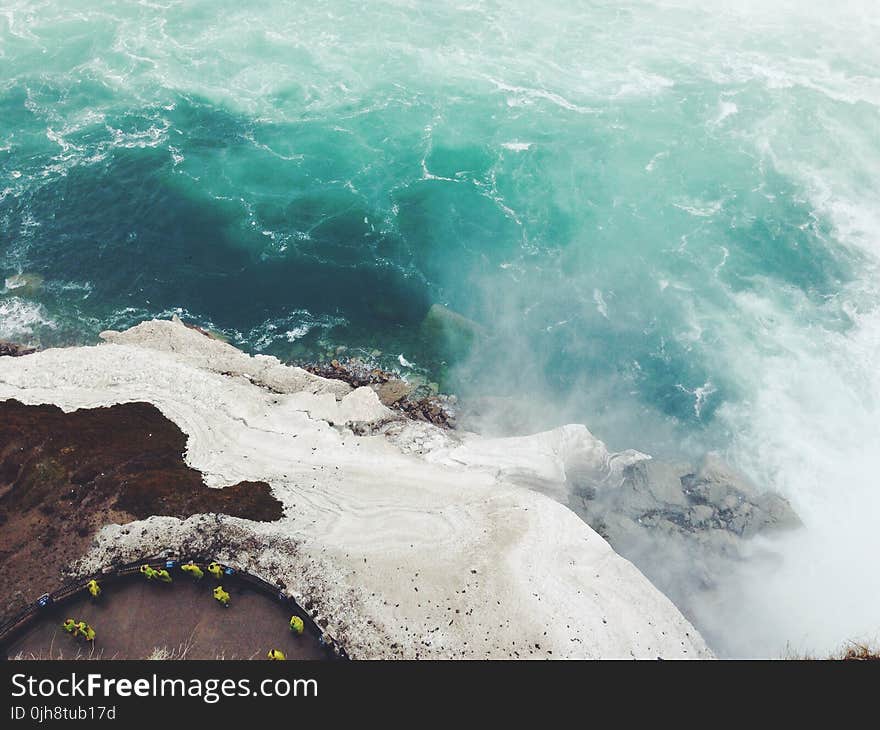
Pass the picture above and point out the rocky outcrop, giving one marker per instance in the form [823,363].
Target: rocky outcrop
[682,525]
[678,522]
[678,498]
[11,349]
[419,401]
[220,357]
[396,546]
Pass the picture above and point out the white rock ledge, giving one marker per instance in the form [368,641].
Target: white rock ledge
[410,542]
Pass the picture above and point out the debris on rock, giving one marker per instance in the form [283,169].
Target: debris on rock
[418,400]
[11,349]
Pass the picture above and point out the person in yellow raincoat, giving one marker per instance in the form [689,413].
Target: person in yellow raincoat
[148,572]
[296,625]
[163,575]
[69,626]
[221,596]
[94,588]
[275,655]
[88,632]
[192,569]
[216,570]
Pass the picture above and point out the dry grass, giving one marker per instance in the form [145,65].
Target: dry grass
[222,656]
[163,653]
[858,652]
[77,652]
[82,652]
[852,651]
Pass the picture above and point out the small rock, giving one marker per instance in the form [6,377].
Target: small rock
[11,349]
[392,391]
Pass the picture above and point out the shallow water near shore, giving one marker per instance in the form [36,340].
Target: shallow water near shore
[661,216]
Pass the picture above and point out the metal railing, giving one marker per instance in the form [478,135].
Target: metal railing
[13,627]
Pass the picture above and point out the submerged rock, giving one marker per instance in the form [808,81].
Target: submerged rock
[450,332]
[24,284]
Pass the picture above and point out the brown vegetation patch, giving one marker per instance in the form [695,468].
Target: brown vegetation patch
[65,475]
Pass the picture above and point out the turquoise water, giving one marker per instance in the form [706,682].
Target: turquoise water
[663,215]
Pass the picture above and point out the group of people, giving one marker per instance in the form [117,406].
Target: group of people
[190,568]
[81,628]
[151,573]
[216,570]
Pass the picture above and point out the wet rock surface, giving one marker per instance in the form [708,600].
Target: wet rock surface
[65,475]
[680,523]
[211,334]
[418,401]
